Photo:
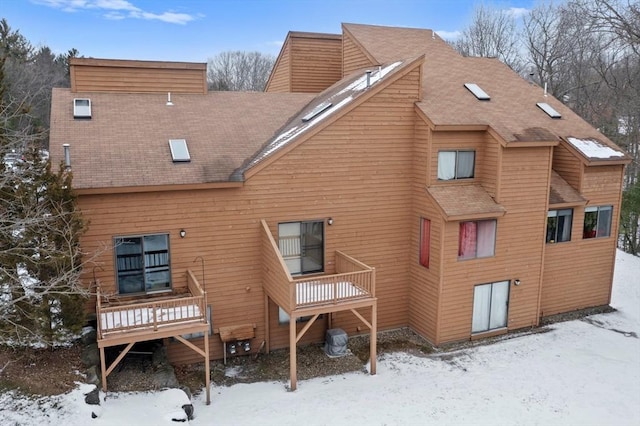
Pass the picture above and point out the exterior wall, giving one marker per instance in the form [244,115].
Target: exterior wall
[101,75]
[567,166]
[357,171]
[520,237]
[352,56]
[425,282]
[586,280]
[280,78]
[316,63]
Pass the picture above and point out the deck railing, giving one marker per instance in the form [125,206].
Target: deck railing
[352,280]
[152,315]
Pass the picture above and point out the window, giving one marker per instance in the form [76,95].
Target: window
[490,306]
[302,246]
[179,151]
[456,164]
[477,239]
[142,263]
[597,221]
[425,237]
[559,225]
[284,318]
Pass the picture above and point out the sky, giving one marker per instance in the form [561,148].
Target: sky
[582,372]
[195,30]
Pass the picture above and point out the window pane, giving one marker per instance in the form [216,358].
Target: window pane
[425,237]
[565,217]
[312,247]
[466,160]
[129,265]
[486,238]
[499,299]
[604,221]
[446,165]
[552,226]
[156,262]
[467,240]
[590,221]
[481,307]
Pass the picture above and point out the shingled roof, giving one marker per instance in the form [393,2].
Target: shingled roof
[511,113]
[126,142]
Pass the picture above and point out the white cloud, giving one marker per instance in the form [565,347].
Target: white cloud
[118,9]
[449,35]
[517,12]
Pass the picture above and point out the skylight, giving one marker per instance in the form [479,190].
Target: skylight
[179,150]
[477,91]
[317,111]
[551,112]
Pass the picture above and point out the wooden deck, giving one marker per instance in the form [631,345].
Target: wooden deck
[352,287]
[129,322]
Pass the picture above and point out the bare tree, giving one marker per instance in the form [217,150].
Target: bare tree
[492,33]
[239,71]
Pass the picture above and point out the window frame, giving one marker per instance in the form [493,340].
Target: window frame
[302,225]
[595,229]
[143,269]
[456,174]
[556,213]
[504,322]
[475,251]
[424,248]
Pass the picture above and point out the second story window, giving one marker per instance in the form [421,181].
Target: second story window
[597,222]
[559,225]
[302,246]
[456,164]
[477,239]
[142,263]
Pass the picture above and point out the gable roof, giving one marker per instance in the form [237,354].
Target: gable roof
[511,115]
[126,142]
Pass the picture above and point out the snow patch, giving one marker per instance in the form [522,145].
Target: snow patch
[593,149]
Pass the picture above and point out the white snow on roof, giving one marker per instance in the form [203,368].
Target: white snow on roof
[339,99]
[593,149]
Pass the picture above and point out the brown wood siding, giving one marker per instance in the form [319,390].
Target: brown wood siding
[486,151]
[280,79]
[424,282]
[585,280]
[91,78]
[520,237]
[567,166]
[352,56]
[358,171]
[316,63]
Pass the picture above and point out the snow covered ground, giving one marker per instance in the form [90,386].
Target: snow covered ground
[584,372]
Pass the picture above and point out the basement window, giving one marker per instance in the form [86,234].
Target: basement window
[179,151]
[477,92]
[551,112]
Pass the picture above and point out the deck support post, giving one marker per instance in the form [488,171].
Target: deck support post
[373,338]
[103,369]
[207,367]
[293,353]
[266,323]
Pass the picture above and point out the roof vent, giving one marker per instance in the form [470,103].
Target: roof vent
[551,112]
[179,151]
[317,111]
[477,91]
[82,108]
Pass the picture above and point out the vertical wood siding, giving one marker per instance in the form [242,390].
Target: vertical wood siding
[358,171]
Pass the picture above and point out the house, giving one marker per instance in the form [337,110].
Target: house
[381,181]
